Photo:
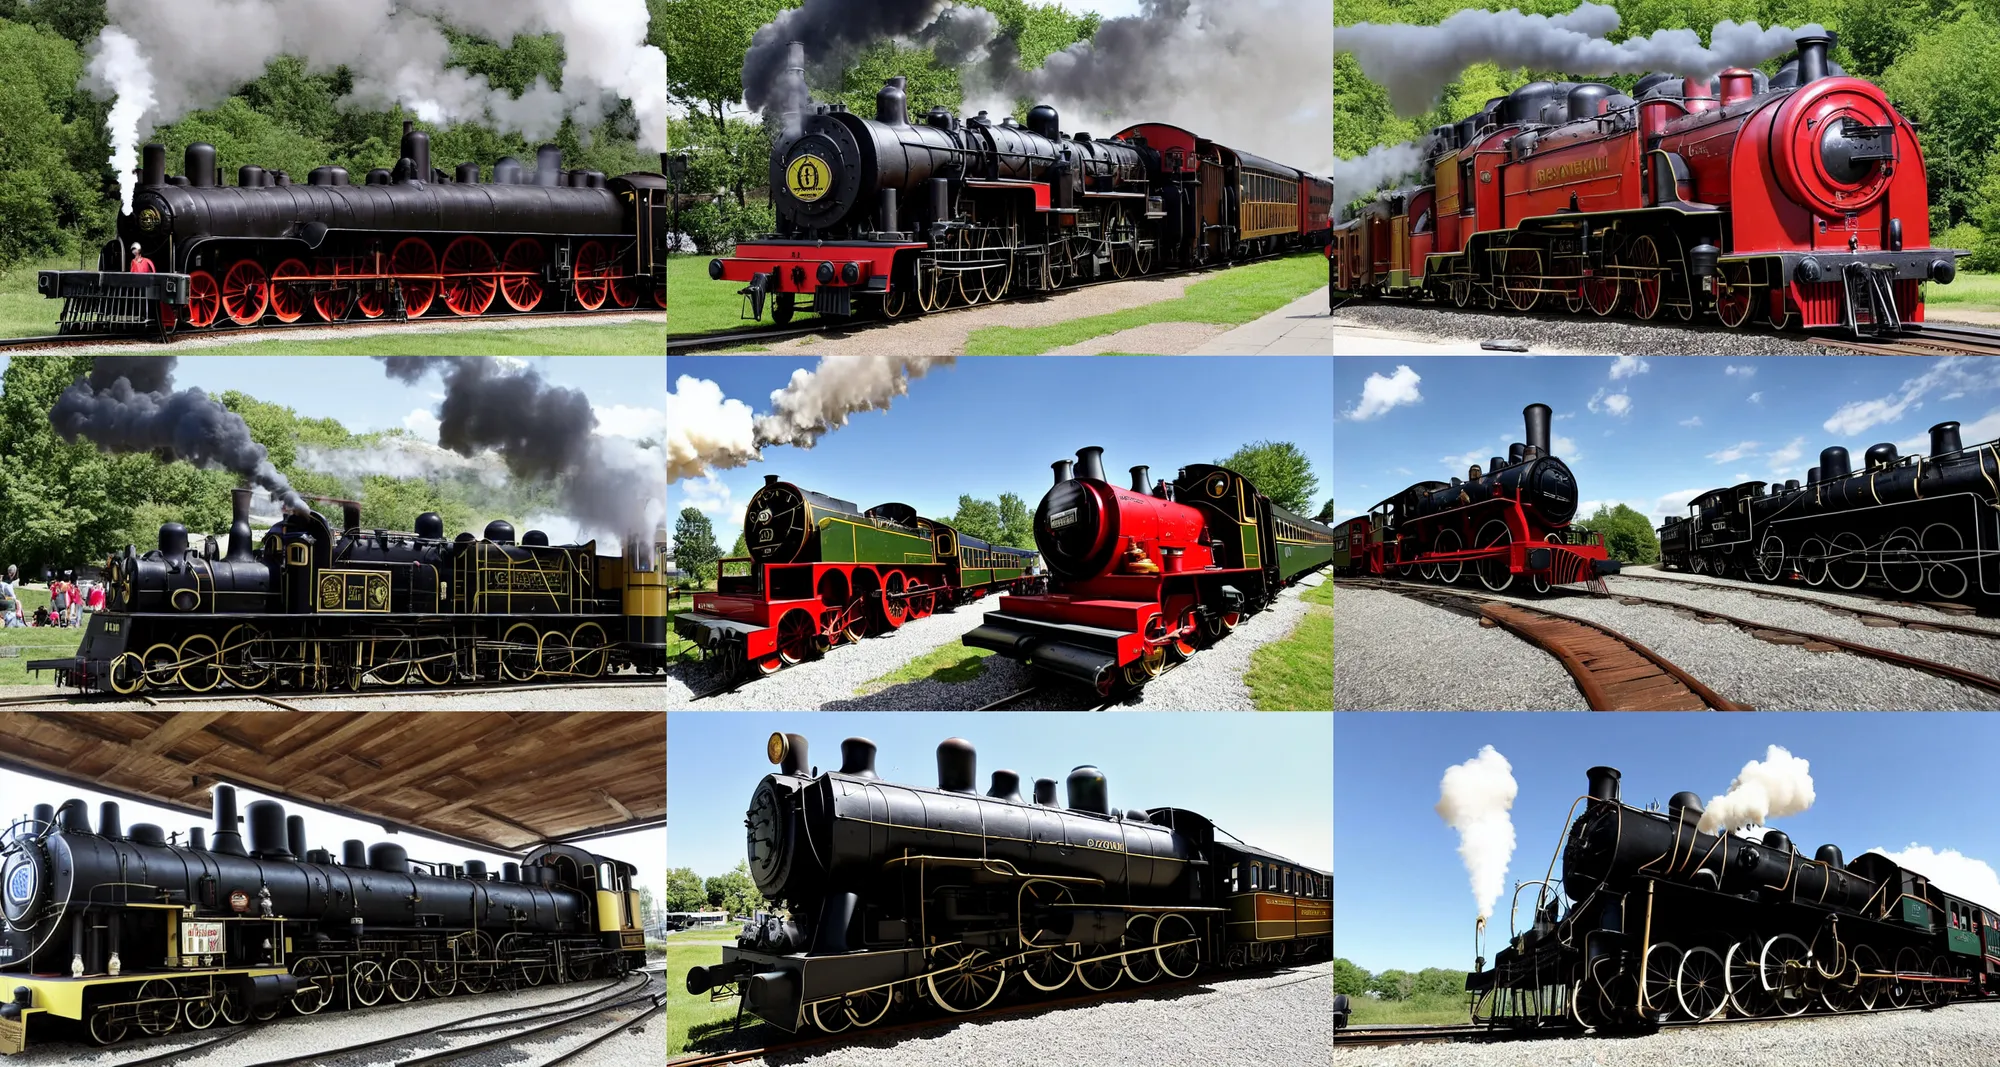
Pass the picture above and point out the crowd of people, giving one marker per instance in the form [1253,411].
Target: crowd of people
[68,600]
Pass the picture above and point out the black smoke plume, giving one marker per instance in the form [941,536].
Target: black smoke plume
[128,404]
[831,30]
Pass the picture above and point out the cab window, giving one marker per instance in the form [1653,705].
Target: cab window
[1256,876]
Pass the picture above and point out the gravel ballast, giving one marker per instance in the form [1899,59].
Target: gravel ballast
[1392,653]
[1874,605]
[1569,332]
[833,677]
[1964,1035]
[1279,1018]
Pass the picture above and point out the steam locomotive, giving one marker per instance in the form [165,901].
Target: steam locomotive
[822,571]
[1509,522]
[1665,921]
[875,217]
[311,607]
[409,242]
[1145,576]
[1797,198]
[894,894]
[136,934]
[1911,523]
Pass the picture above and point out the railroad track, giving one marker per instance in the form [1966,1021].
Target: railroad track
[1613,671]
[1926,339]
[1868,618]
[272,330]
[1378,1036]
[360,694]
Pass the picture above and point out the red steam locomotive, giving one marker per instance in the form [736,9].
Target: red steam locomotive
[1505,524]
[1797,199]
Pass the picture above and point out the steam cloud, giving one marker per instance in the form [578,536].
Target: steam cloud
[1781,784]
[160,61]
[818,401]
[1414,62]
[1952,871]
[1237,69]
[706,430]
[542,432]
[129,404]
[1474,799]
[1381,168]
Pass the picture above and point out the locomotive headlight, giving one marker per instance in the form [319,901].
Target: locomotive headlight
[850,273]
[1943,270]
[774,749]
[826,273]
[1808,270]
[715,270]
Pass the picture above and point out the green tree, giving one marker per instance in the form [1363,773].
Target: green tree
[685,891]
[1325,511]
[1628,535]
[694,544]
[705,41]
[49,187]
[1349,978]
[1393,985]
[734,892]
[1017,524]
[740,549]
[1279,470]
[59,504]
[1438,982]
[977,518]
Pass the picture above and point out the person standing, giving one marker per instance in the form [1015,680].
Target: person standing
[10,605]
[59,600]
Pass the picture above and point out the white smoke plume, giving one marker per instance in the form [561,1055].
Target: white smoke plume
[1382,167]
[1414,63]
[1474,798]
[1952,871]
[818,401]
[1780,784]
[706,430]
[403,457]
[161,61]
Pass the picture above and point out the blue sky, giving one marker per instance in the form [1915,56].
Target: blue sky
[1401,894]
[993,424]
[1201,762]
[1650,433]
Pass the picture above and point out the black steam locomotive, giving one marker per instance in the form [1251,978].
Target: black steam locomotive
[312,607]
[1911,523]
[139,935]
[406,242]
[894,894]
[1667,922]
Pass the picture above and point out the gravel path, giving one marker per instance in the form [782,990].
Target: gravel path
[933,335]
[1392,653]
[184,345]
[1577,333]
[1873,605]
[1964,1035]
[832,679]
[1285,1016]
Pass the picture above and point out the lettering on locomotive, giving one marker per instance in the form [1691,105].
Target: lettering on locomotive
[1107,846]
[201,939]
[1573,170]
[1062,518]
[808,177]
[529,581]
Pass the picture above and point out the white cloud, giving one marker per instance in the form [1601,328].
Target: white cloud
[1952,871]
[1734,452]
[1672,505]
[1950,375]
[1783,458]
[706,494]
[1565,449]
[1738,370]
[1403,471]
[1566,415]
[422,423]
[1692,420]
[1982,429]
[1466,459]
[1380,394]
[1607,402]
[1628,367]
[1756,397]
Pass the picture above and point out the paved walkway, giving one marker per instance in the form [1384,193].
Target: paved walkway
[1303,327]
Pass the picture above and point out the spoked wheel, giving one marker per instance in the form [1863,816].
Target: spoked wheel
[830,1016]
[204,304]
[1495,572]
[106,1029]
[1186,638]
[470,283]
[1700,984]
[1663,964]
[1901,567]
[521,275]
[895,302]
[1813,561]
[1140,967]
[332,301]
[372,302]
[1771,558]
[994,280]
[1946,576]
[867,1007]
[246,292]
[557,657]
[1098,975]
[795,636]
[416,269]
[1938,992]
[159,1010]
[289,289]
[161,665]
[1178,960]
[405,979]
[1870,989]
[1735,294]
[1849,566]
[892,606]
[922,604]
[1903,991]
[440,978]
[1461,289]
[1142,254]
[857,613]
[367,982]
[1523,281]
[934,286]
[975,984]
[1583,1005]
[592,651]
[1118,238]
[1048,971]
[521,664]
[229,1004]
[200,659]
[624,289]
[1449,571]
[1603,292]
[1644,262]
[1038,895]
[315,985]
[1745,980]
[1785,969]
[200,1013]
[534,972]
[593,276]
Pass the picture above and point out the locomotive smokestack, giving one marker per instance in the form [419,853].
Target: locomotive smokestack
[267,831]
[1537,418]
[74,816]
[1944,439]
[1604,783]
[239,525]
[1833,464]
[892,104]
[788,751]
[857,757]
[353,853]
[1812,57]
[417,149]
[154,171]
[1065,470]
[1088,790]
[228,841]
[108,823]
[1140,483]
[197,839]
[1045,792]
[350,516]
[295,835]
[510,872]
[1090,463]
[958,765]
[1007,787]
[548,166]
[795,92]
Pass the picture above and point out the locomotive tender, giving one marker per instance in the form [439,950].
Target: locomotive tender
[897,893]
[1798,198]
[406,243]
[1664,921]
[1508,522]
[1143,576]
[311,607]
[879,216]
[821,571]
[1910,523]
[136,934]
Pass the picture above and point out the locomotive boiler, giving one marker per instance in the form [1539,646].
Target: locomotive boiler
[1144,576]
[405,243]
[1507,522]
[1797,199]
[1908,523]
[893,893]
[1659,920]
[143,933]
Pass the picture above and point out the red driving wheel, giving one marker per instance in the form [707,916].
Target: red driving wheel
[288,291]
[204,300]
[332,302]
[660,297]
[593,276]
[521,279]
[416,269]
[246,292]
[470,282]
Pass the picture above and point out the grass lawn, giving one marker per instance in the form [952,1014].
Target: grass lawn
[951,664]
[24,312]
[1231,298]
[696,304]
[1967,291]
[35,642]
[629,339]
[691,1018]
[1416,1011]
[1296,674]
